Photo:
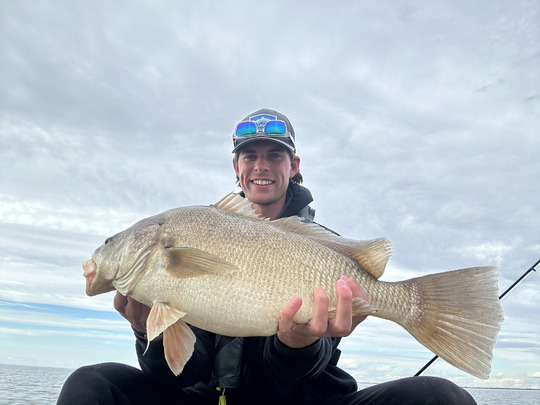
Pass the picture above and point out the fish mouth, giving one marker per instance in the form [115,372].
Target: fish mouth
[89,272]
[94,284]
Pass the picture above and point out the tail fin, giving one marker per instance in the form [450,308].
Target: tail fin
[458,317]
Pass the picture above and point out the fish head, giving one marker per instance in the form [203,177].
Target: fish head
[115,264]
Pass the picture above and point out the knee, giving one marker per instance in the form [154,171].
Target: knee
[436,390]
[82,376]
[88,382]
[89,374]
[75,385]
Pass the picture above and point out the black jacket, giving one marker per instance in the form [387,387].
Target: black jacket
[255,370]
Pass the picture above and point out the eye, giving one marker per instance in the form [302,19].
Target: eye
[107,241]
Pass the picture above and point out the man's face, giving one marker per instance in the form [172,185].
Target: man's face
[264,169]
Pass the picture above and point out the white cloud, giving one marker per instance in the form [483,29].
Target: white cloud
[414,121]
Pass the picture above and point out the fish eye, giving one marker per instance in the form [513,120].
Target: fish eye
[107,241]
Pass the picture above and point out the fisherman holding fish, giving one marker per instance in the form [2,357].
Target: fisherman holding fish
[294,362]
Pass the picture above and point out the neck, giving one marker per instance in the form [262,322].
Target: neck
[268,211]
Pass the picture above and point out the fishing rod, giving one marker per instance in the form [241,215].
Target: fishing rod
[504,294]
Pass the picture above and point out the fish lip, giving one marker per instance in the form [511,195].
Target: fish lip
[94,284]
[89,272]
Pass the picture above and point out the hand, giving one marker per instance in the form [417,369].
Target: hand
[135,312]
[301,335]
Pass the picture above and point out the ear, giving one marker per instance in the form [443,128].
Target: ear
[235,164]
[295,166]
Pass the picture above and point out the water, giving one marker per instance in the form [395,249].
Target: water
[500,396]
[25,385]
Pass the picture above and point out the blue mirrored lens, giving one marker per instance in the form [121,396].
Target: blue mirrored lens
[246,128]
[275,127]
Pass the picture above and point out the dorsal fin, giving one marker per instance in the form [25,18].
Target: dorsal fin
[372,255]
[239,205]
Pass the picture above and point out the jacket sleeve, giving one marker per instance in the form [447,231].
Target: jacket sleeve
[289,365]
[198,367]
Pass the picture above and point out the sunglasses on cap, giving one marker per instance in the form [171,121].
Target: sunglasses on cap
[249,128]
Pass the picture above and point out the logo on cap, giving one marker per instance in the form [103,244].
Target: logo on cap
[261,119]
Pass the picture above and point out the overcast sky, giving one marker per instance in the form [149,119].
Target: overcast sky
[415,120]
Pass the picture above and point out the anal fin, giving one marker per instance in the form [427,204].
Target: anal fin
[362,307]
[359,307]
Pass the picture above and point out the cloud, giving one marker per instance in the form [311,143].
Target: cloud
[414,121]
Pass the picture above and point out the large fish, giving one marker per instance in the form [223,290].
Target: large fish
[224,269]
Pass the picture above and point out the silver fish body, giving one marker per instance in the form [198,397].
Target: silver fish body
[224,269]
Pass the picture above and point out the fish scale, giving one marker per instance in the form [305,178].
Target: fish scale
[224,269]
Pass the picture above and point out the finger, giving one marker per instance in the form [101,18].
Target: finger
[358,292]
[318,324]
[342,323]
[356,289]
[286,323]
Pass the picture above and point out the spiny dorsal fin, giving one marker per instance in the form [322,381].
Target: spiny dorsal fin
[192,262]
[239,205]
[372,255]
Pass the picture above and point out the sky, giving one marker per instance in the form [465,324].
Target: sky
[417,121]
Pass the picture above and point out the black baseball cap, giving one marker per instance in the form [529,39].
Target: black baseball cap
[264,125]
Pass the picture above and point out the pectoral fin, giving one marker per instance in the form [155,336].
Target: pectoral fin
[192,262]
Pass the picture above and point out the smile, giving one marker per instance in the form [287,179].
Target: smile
[262,182]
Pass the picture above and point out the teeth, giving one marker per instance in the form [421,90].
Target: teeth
[262,182]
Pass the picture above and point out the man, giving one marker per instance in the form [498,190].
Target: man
[298,365]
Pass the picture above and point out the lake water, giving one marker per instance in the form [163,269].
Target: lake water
[25,385]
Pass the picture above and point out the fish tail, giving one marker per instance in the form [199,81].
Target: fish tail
[457,315]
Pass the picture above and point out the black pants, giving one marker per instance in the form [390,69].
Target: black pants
[119,384]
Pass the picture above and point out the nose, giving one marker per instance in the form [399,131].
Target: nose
[261,164]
